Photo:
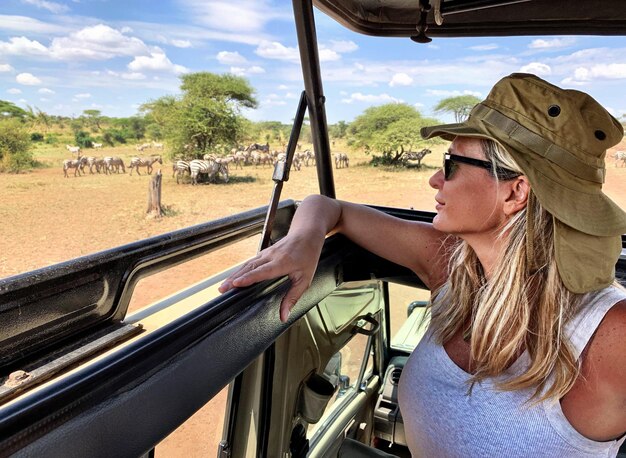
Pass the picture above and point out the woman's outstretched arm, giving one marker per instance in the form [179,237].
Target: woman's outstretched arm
[412,244]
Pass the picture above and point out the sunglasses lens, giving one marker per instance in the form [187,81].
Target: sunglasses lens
[448,167]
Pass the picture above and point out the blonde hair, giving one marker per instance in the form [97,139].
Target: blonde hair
[523,307]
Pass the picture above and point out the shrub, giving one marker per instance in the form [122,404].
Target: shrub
[15,145]
[51,139]
[36,137]
[83,139]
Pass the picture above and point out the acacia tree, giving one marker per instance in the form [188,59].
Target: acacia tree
[389,130]
[94,117]
[206,115]
[459,106]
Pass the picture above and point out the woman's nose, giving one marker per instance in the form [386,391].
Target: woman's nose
[436,180]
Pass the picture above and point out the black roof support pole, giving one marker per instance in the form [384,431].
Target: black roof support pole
[307,42]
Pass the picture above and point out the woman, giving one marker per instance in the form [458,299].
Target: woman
[524,355]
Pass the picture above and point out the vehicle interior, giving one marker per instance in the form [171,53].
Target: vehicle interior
[82,377]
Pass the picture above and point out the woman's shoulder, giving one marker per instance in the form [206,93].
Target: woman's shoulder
[606,352]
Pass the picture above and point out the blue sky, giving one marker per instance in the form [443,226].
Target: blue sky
[66,56]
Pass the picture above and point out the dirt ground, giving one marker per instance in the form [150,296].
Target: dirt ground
[46,219]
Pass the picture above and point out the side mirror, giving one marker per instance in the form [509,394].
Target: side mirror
[413,305]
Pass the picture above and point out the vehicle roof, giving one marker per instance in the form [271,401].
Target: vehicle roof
[469,18]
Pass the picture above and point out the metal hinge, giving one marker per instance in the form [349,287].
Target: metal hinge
[223,450]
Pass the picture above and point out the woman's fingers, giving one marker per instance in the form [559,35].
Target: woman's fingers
[298,287]
[247,267]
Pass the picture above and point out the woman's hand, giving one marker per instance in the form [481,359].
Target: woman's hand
[296,255]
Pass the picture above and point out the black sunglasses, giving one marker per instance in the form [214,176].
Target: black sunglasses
[450,166]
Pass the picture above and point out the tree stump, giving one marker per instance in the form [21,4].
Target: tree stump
[154,197]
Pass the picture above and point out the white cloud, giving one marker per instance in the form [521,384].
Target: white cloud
[22,46]
[181,43]
[275,50]
[27,24]
[97,42]
[328,55]
[487,47]
[283,87]
[553,43]
[27,79]
[343,46]
[584,75]
[537,68]
[400,79]
[45,90]
[445,93]
[255,69]
[243,16]
[230,58]
[46,5]
[5,68]
[370,98]
[127,75]
[14,90]
[135,76]
[243,71]
[83,95]
[158,62]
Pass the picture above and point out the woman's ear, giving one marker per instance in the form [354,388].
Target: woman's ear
[519,188]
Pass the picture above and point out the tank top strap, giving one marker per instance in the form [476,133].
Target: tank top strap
[593,308]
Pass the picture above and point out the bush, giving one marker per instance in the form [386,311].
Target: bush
[51,139]
[15,145]
[36,137]
[83,139]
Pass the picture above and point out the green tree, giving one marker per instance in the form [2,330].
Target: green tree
[206,115]
[459,106]
[388,131]
[94,117]
[15,145]
[338,130]
[10,110]
[43,119]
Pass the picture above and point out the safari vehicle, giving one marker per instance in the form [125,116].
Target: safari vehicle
[88,379]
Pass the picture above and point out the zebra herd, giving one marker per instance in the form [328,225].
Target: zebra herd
[108,165]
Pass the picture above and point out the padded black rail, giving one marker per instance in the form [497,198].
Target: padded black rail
[128,401]
[42,308]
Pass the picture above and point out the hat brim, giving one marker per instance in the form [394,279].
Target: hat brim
[593,213]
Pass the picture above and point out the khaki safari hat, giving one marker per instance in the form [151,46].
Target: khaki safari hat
[559,138]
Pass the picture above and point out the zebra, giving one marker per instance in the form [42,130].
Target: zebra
[341,160]
[620,156]
[258,147]
[208,168]
[76,164]
[146,162]
[113,163]
[179,168]
[309,156]
[90,162]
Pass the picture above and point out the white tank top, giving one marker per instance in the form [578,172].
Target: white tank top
[442,420]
